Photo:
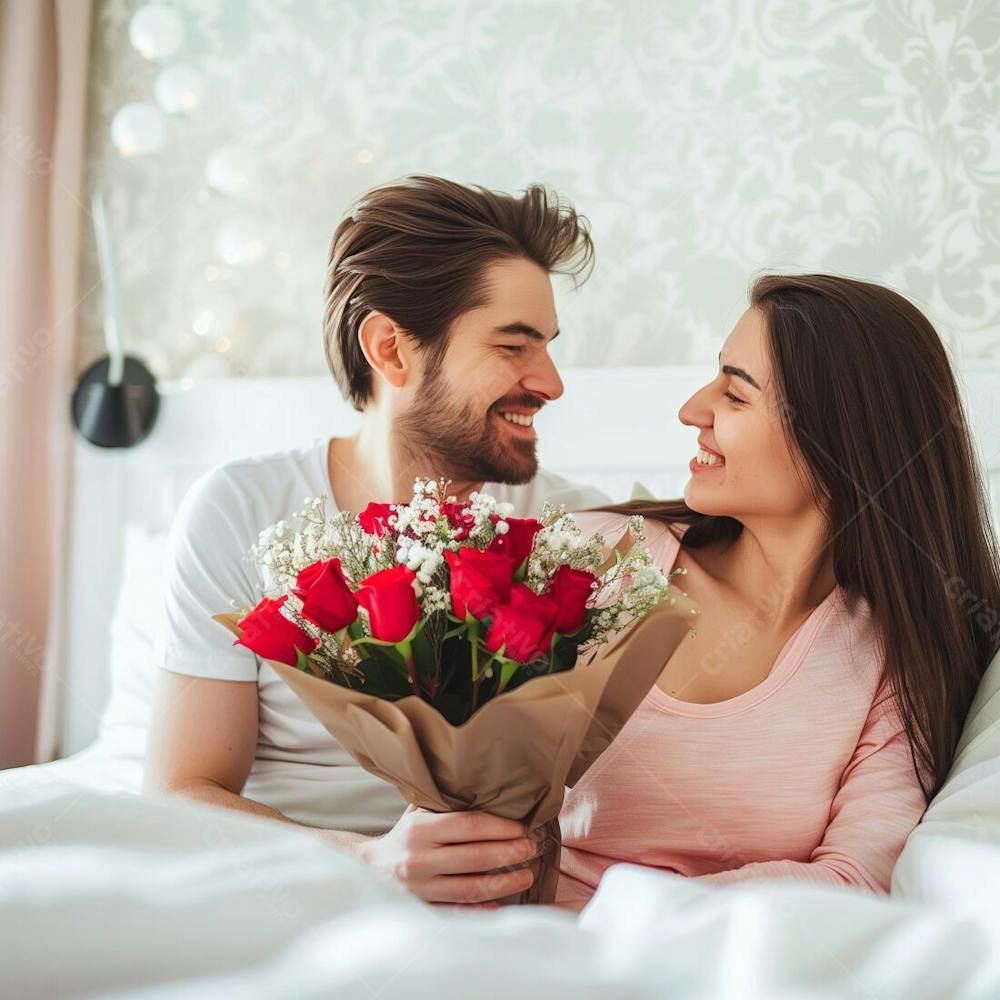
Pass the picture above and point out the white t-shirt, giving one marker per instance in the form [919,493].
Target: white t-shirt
[299,768]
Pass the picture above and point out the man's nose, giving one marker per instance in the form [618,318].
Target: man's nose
[543,379]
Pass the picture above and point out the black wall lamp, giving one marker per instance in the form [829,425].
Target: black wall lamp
[116,402]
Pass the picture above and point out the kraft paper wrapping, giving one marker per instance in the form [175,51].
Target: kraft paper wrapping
[516,753]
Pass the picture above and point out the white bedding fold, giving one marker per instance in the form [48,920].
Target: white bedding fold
[101,894]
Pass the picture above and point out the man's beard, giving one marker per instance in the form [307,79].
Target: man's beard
[440,436]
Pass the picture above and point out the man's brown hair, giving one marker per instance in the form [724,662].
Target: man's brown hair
[418,250]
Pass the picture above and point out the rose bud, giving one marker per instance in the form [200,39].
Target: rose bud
[460,518]
[524,626]
[374,519]
[269,634]
[518,540]
[479,581]
[326,596]
[571,589]
[391,602]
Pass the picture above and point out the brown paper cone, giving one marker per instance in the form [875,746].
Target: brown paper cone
[516,754]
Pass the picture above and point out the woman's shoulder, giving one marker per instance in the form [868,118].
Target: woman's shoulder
[599,522]
[662,540]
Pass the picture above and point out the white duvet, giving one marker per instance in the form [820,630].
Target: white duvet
[106,893]
[102,894]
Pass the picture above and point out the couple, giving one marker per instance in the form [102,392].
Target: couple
[798,733]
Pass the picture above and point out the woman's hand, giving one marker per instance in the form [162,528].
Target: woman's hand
[440,857]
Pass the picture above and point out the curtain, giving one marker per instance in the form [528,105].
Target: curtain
[44,46]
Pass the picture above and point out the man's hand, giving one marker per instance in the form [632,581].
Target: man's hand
[573,905]
[440,857]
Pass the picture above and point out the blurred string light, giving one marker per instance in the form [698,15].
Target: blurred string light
[230,171]
[138,129]
[179,90]
[214,318]
[240,242]
[156,31]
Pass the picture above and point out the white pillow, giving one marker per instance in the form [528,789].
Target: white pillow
[640,492]
[962,823]
[134,629]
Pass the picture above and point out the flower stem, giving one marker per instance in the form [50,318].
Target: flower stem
[411,667]
[474,643]
[477,677]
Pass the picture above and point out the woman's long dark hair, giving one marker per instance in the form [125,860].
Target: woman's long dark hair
[867,396]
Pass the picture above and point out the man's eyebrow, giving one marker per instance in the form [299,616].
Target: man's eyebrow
[739,373]
[524,328]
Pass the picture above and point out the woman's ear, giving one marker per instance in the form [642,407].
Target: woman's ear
[386,348]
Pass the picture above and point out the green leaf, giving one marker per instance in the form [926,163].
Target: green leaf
[387,672]
[423,655]
[302,662]
[372,641]
[507,670]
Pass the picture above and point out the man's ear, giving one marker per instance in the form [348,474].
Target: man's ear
[386,348]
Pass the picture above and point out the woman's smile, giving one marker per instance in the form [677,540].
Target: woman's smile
[706,461]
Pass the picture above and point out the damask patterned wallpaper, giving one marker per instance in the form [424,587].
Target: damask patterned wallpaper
[705,139]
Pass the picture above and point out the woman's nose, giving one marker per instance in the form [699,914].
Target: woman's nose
[696,412]
[693,413]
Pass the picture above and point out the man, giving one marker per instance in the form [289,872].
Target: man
[438,321]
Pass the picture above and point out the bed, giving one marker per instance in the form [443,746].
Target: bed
[103,891]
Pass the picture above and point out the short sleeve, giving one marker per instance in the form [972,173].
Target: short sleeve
[206,569]
[609,525]
[662,543]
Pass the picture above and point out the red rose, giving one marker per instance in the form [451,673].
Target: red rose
[517,542]
[374,519]
[571,589]
[524,626]
[460,518]
[391,602]
[479,581]
[271,635]
[326,597]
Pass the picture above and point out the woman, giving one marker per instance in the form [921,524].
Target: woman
[801,729]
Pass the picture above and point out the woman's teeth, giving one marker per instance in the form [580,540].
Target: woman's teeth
[707,458]
[518,418]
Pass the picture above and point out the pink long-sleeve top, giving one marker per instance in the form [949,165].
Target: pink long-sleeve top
[807,775]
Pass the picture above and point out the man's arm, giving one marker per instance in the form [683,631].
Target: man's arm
[202,740]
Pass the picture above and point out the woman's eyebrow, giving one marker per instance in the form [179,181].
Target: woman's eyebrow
[739,373]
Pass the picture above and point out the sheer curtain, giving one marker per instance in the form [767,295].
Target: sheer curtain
[44,47]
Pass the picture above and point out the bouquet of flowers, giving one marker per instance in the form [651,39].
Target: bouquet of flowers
[472,658]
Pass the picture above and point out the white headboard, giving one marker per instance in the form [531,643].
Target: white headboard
[612,428]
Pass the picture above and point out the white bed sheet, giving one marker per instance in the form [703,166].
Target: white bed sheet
[113,894]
